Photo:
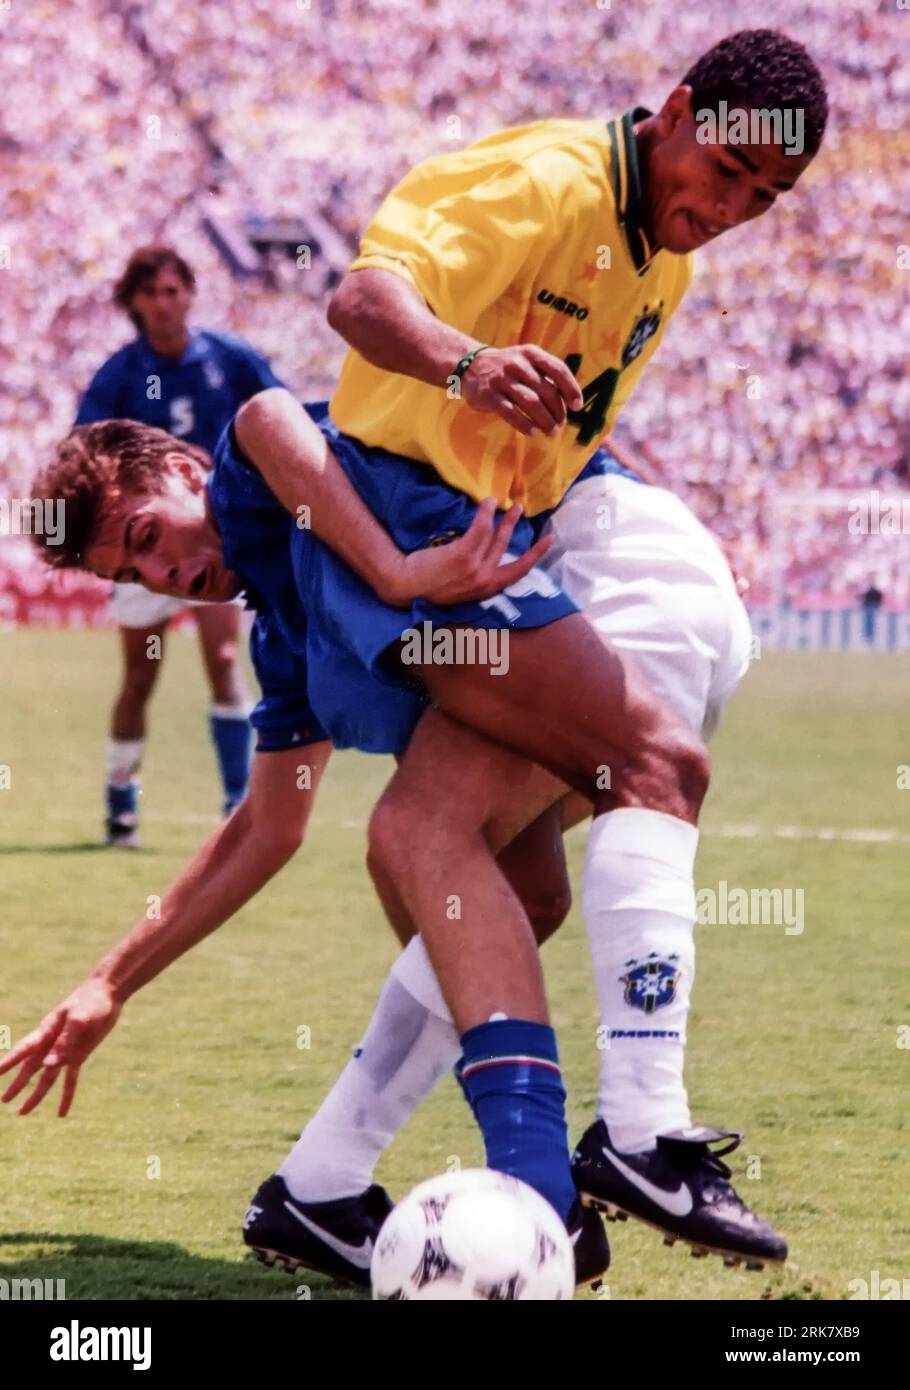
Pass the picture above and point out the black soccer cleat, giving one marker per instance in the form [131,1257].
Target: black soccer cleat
[681,1188]
[121,832]
[590,1244]
[334,1238]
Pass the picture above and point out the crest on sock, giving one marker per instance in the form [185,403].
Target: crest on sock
[651,983]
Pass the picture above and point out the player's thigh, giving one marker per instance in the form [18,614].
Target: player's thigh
[652,582]
[452,782]
[574,703]
[142,649]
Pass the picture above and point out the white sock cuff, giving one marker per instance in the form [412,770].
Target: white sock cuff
[413,971]
[122,757]
[241,711]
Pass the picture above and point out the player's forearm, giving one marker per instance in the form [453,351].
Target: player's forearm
[228,870]
[387,322]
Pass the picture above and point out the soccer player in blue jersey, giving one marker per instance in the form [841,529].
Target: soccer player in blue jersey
[190,382]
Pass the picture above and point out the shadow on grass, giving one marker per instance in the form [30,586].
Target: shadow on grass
[80,847]
[95,1267]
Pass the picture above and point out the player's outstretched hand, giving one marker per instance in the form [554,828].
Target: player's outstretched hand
[524,385]
[470,568]
[62,1042]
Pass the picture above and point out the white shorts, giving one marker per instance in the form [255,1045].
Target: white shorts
[134,606]
[649,576]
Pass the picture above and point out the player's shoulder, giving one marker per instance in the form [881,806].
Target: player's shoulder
[564,155]
[573,134]
[224,345]
[120,362]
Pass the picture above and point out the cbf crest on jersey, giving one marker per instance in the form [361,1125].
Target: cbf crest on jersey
[644,328]
[651,983]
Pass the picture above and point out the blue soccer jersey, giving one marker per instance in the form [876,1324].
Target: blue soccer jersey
[259,539]
[193,397]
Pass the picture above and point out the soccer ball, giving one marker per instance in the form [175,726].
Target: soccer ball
[470,1237]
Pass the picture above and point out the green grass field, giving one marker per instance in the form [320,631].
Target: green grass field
[793,1038]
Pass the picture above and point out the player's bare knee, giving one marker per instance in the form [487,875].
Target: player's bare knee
[393,828]
[669,771]
[684,767]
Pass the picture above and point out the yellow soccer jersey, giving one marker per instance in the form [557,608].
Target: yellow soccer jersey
[533,235]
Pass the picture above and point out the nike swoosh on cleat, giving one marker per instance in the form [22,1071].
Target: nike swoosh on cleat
[359,1255]
[678,1203]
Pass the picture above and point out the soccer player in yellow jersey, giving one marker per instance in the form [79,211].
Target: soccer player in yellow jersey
[457,316]
[533,236]
[503,305]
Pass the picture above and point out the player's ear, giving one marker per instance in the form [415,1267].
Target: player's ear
[676,111]
[185,468]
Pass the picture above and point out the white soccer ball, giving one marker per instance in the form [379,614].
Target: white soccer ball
[470,1237]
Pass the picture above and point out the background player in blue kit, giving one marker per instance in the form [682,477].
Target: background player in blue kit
[189,382]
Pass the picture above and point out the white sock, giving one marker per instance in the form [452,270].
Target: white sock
[122,758]
[238,711]
[639,906]
[408,1047]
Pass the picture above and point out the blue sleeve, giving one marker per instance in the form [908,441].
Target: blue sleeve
[102,399]
[283,718]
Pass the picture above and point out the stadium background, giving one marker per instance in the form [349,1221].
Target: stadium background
[272,111]
[240,131]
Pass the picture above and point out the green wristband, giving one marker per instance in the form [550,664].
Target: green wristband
[465,362]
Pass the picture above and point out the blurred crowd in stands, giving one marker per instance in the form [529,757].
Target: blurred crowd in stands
[783,375]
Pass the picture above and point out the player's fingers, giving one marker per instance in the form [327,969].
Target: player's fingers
[46,1081]
[502,535]
[517,569]
[477,537]
[72,1045]
[34,1042]
[509,412]
[528,400]
[558,373]
[15,1057]
[27,1071]
[549,398]
[553,399]
[70,1082]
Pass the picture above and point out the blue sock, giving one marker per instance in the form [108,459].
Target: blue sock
[458,1073]
[122,802]
[231,734]
[511,1078]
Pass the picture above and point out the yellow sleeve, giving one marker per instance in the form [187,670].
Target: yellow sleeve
[461,246]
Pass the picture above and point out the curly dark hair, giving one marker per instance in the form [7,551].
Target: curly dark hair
[762,68]
[95,464]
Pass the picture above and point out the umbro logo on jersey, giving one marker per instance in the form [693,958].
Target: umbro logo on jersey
[562,305]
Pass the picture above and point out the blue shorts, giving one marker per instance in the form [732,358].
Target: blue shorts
[350,629]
